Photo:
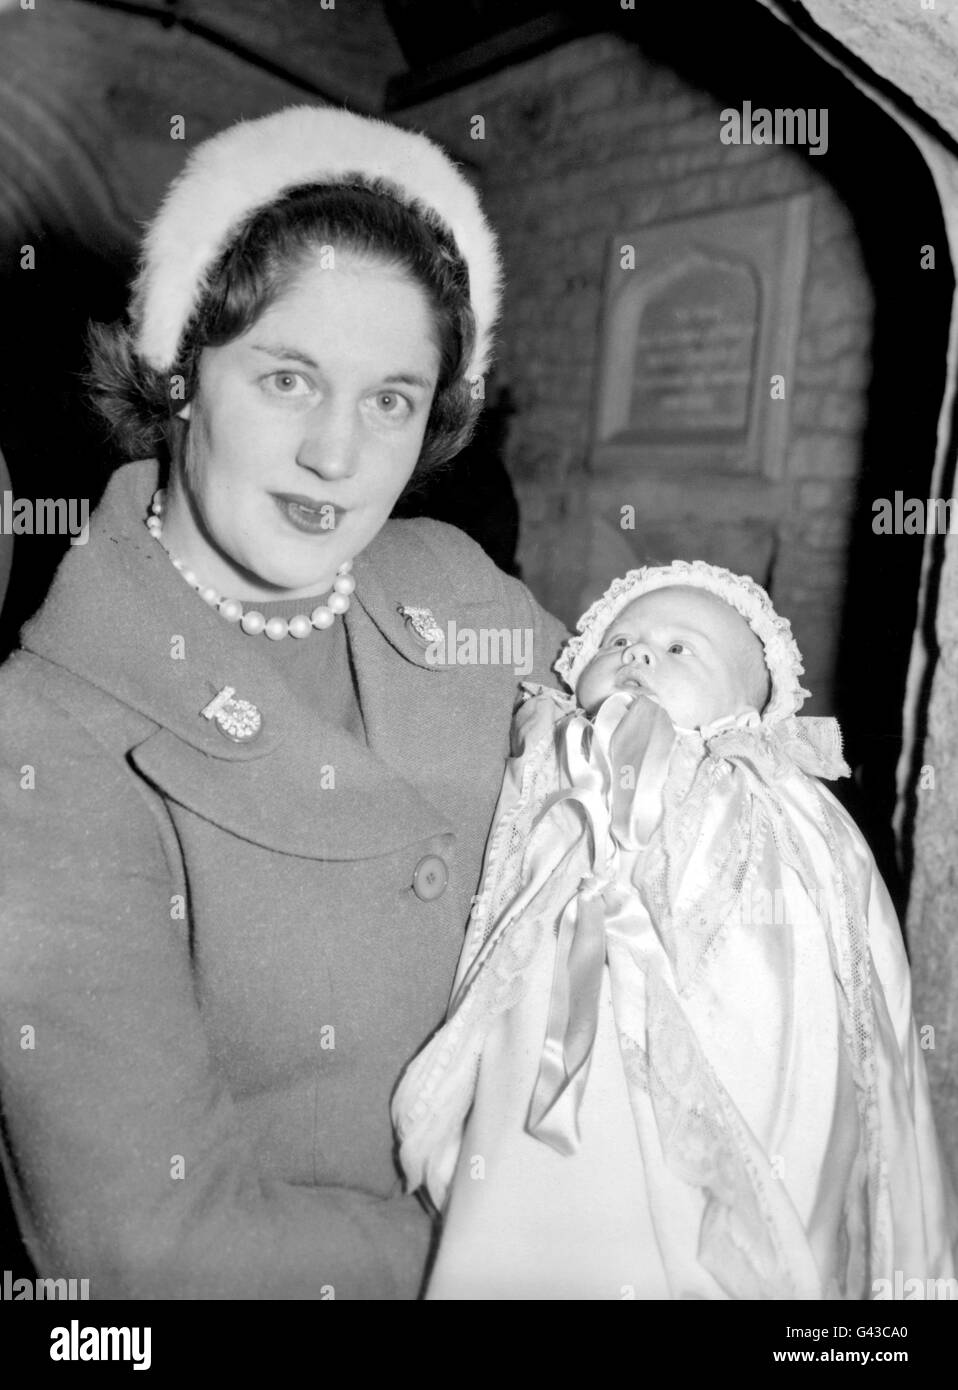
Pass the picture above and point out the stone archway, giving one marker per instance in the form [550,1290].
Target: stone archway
[907,62]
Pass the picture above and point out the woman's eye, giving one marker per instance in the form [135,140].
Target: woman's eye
[391,403]
[288,383]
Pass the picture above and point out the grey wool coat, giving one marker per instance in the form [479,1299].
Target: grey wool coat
[213,968]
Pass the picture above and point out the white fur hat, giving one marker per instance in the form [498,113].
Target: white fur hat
[251,164]
[782,657]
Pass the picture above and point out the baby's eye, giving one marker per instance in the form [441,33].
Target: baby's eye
[287,384]
[620,641]
[677,648]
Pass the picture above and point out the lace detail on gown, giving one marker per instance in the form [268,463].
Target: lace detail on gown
[731,824]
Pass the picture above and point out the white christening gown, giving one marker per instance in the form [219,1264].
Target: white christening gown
[680,1060]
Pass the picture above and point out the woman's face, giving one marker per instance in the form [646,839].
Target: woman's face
[304,431]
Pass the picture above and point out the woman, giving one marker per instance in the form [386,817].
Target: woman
[245,789]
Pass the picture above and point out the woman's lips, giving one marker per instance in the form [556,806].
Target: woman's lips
[307,514]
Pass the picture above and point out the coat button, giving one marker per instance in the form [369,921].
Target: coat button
[430,878]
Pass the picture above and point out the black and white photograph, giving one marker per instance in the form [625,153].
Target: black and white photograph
[478,651]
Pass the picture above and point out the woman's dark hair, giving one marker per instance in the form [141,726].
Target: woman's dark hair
[274,243]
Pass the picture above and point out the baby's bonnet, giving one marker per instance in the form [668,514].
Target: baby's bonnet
[811,744]
[782,657]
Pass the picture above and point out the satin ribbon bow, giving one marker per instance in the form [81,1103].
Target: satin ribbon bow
[601,903]
[604,903]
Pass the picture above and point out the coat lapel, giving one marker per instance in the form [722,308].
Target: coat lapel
[120,617]
[430,723]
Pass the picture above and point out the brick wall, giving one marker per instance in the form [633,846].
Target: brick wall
[581,144]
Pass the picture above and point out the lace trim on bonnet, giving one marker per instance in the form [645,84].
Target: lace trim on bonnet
[782,657]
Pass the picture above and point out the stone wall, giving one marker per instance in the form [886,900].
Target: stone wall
[581,144]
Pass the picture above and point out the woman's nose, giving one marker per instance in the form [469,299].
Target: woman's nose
[640,653]
[329,446]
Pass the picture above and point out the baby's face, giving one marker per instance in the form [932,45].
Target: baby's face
[688,649]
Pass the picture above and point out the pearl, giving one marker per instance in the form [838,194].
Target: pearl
[253,622]
[323,616]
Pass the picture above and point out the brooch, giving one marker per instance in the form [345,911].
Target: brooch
[423,623]
[238,720]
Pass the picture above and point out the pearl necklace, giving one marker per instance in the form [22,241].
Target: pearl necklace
[324,615]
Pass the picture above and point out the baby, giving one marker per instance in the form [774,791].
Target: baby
[679,1061]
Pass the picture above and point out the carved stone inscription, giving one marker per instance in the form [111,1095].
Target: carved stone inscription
[694,364]
[701,321]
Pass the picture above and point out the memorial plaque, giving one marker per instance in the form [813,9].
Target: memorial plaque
[699,316]
[694,362]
